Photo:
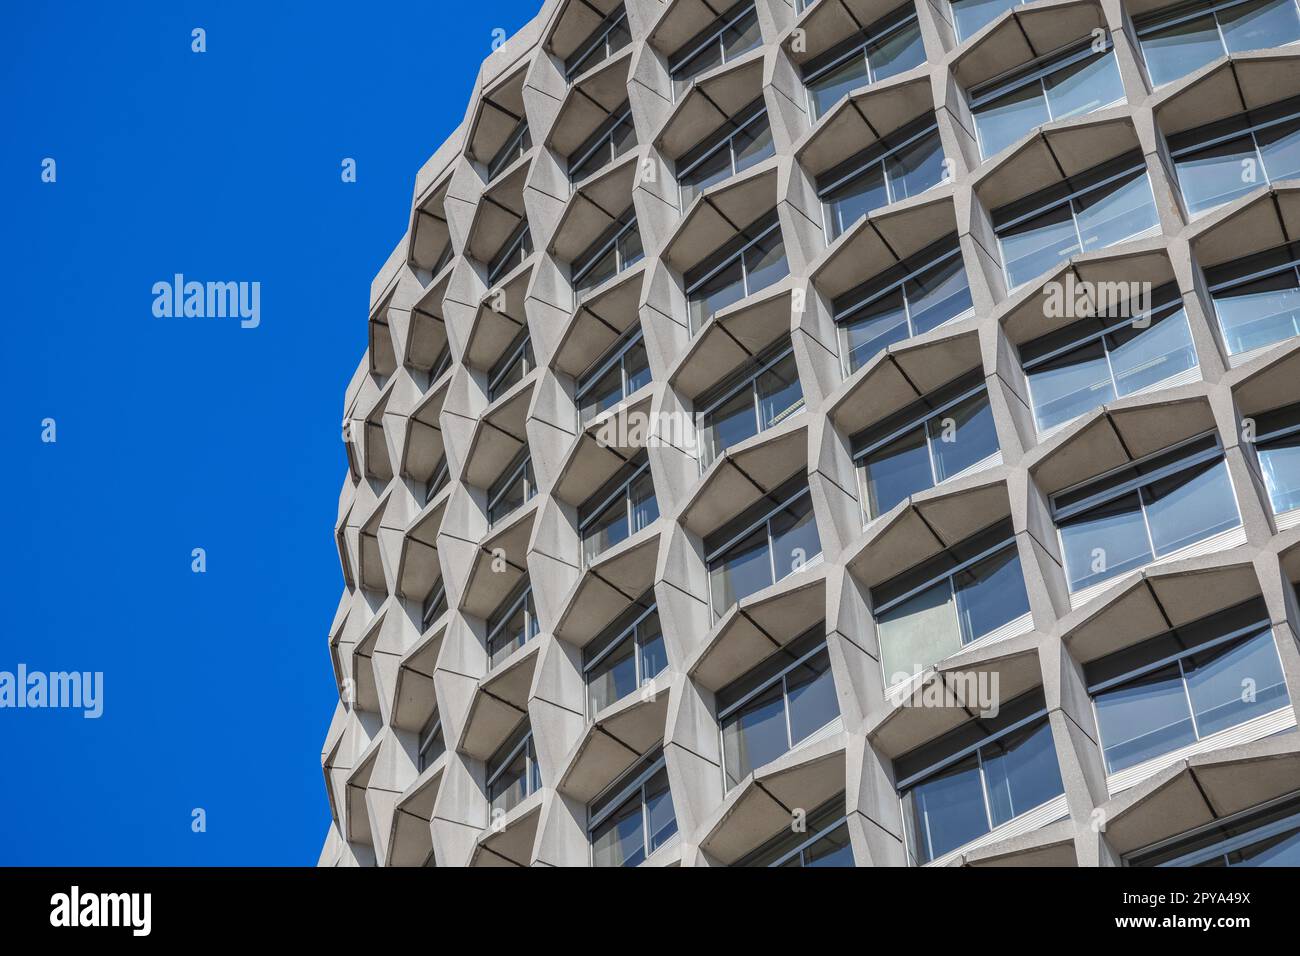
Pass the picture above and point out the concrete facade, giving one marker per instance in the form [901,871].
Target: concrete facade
[435,405]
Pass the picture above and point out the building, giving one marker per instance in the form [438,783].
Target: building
[836,432]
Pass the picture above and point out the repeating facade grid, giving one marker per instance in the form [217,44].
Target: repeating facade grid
[836,432]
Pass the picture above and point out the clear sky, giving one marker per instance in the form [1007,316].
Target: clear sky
[182,433]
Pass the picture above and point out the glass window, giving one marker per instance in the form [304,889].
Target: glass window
[617,249]
[625,656]
[1267,835]
[1277,443]
[513,489]
[890,46]
[757,398]
[969,16]
[512,625]
[634,817]
[933,610]
[625,505]
[1109,205]
[752,261]
[512,772]
[1186,37]
[1259,312]
[740,143]
[607,39]
[614,137]
[512,367]
[1184,685]
[432,744]
[1144,511]
[1093,361]
[916,296]
[513,253]
[901,165]
[935,438]
[516,144]
[1062,86]
[613,377]
[978,777]
[762,546]
[732,34]
[435,605]
[823,842]
[777,704]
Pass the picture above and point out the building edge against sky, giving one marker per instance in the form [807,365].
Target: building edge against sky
[835,433]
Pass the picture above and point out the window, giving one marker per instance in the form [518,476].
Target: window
[1055,88]
[512,772]
[431,742]
[1218,162]
[767,542]
[1184,38]
[445,257]
[730,35]
[513,489]
[441,476]
[613,377]
[890,46]
[1185,685]
[824,842]
[606,40]
[626,656]
[970,16]
[754,260]
[512,625]
[1277,443]
[634,817]
[614,137]
[618,248]
[915,296]
[1096,360]
[1100,208]
[973,779]
[762,395]
[1267,835]
[1146,510]
[510,369]
[435,605]
[970,591]
[516,250]
[905,163]
[936,438]
[516,144]
[441,364]
[1257,299]
[743,141]
[625,505]
[779,703]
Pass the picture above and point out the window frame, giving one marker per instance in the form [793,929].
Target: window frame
[611,237]
[898,19]
[603,135]
[1179,13]
[711,34]
[787,498]
[1095,179]
[1037,71]
[618,487]
[616,354]
[621,791]
[960,392]
[520,466]
[520,238]
[723,137]
[1242,635]
[578,62]
[519,740]
[511,150]
[1290,250]
[436,596]
[799,845]
[425,740]
[1137,484]
[1228,844]
[520,596]
[778,677]
[1169,304]
[867,294]
[882,151]
[520,348]
[747,378]
[732,252]
[608,641]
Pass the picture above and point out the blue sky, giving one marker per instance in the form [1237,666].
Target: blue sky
[175,434]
